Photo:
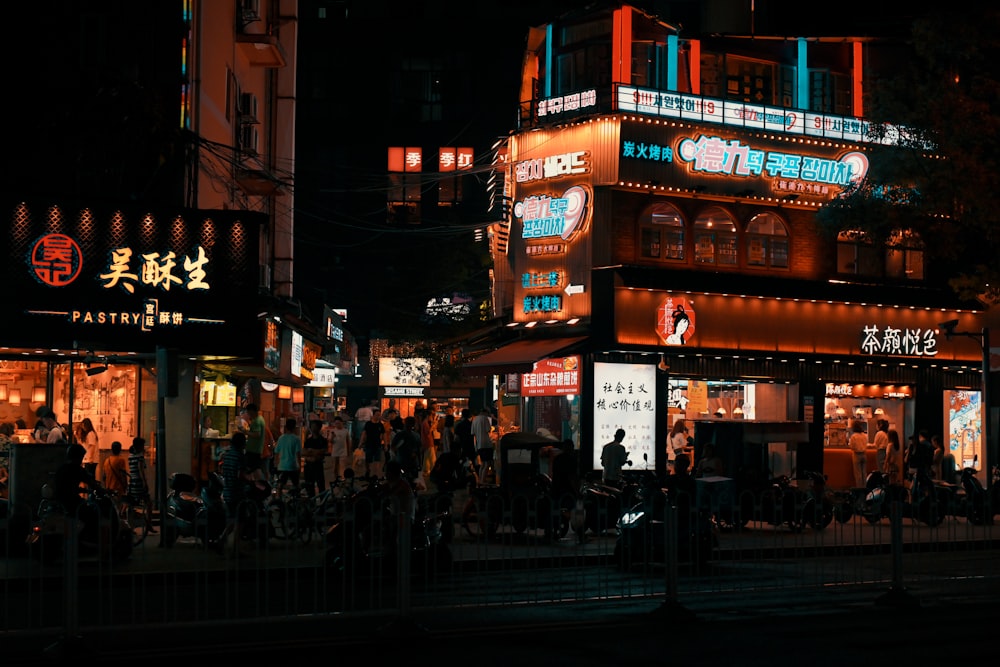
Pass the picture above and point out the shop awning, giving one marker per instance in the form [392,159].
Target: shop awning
[519,356]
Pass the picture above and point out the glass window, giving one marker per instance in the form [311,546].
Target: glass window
[904,256]
[715,238]
[767,241]
[856,254]
[661,233]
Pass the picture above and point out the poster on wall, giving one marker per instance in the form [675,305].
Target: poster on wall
[625,397]
[965,433]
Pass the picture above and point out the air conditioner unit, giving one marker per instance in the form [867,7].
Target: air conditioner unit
[248,108]
[250,9]
[249,140]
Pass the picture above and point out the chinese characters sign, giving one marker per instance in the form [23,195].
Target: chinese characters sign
[552,377]
[625,397]
[893,340]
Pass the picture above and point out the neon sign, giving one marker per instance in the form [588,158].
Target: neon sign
[892,340]
[552,166]
[643,151]
[546,303]
[715,155]
[544,216]
[540,280]
[553,106]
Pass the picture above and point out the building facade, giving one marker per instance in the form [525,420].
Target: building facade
[662,252]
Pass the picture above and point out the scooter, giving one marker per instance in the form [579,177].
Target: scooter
[978,506]
[642,536]
[202,516]
[107,535]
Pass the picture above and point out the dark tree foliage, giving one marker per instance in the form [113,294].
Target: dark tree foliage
[943,181]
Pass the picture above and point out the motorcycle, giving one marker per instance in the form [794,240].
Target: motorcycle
[104,535]
[603,504]
[364,539]
[642,536]
[202,516]
[980,505]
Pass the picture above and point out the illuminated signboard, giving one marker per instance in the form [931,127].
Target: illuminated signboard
[625,397]
[553,377]
[965,432]
[404,372]
[272,346]
[310,353]
[912,342]
[296,354]
[739,114]
[564,104]
[715,155]
[675,319]
[137,277]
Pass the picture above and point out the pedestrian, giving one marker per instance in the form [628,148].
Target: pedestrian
[893,467]
[288,455]
[937,457]
[858,443]
[371,442]
[235,477]
[341,447]
[448,434]
[428,452]
[6,438]
[314,450]
[613,457]
[115,470]
[881,441]
[464,440]
[54,433]
[676,441]
[482,424]
[406,448]
[138,485]
[361,417]
[86,435]
[255,439]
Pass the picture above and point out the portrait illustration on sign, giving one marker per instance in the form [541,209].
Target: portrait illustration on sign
[675,320]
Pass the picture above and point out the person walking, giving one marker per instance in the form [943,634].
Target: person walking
[481,427]
[371,442]
[858,444]
[881,441]
[613,457]
[86,435]
[448,434]
[428,452]
[314,450]
[677,441]
[138,485]
[341,447]
[288,455]
[255,438]
[464,440]
[235,477]
[114,473]
[893,468]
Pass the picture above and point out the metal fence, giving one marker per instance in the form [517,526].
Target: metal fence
[500,552]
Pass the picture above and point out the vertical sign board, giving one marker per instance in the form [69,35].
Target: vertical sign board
[625,397]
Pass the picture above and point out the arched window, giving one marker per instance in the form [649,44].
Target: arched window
[715,238]
[856,254]
[661,233]
[767,241]
[904,256]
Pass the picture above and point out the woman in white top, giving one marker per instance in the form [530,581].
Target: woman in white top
[87,436]
[677,440]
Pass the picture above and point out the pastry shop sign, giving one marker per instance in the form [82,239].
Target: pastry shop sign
[911,342]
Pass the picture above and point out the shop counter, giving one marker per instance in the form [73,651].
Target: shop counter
[838,465]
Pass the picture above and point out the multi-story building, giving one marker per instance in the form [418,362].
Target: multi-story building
[150,224]
[662,259]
